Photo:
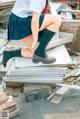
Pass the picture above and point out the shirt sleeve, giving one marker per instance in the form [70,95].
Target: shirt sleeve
[37,5]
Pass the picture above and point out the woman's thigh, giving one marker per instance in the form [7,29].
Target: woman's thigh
[28,40]
[49,20]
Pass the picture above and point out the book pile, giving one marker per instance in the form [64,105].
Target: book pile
[23,70]
[8,105]
[5,9]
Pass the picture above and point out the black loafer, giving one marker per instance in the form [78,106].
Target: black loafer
[47,60]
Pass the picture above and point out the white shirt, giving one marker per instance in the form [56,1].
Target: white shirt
[25,8]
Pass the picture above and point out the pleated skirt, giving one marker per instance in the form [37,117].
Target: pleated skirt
[19,28]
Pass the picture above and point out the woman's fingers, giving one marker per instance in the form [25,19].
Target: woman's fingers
[35,45]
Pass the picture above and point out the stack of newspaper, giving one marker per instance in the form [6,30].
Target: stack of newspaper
[23,70]
[5,9]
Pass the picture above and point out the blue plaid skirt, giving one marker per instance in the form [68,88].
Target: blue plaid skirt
[19,28]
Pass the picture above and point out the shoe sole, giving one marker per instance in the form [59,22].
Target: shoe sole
[37,61]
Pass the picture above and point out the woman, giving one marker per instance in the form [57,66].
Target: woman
[29,23]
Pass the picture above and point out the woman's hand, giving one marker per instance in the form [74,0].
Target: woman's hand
[34,43]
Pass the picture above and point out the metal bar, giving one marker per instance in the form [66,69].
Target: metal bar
[72,11]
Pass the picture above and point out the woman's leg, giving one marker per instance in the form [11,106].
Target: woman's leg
[51,23]
[26,52]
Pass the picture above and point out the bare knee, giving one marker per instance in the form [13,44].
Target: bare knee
[57,20]
[55,24]
[49,20]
